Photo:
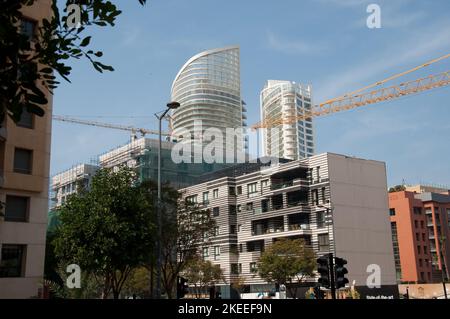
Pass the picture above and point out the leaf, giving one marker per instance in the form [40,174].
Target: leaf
[32,108]
[85,41]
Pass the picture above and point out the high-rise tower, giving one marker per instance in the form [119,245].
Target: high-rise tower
[208,89]
[287,99]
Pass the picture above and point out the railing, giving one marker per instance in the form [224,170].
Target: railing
[298,203]
[299,227]
[281,185]
[267,231]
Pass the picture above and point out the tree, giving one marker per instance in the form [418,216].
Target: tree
[202,274]
[238,283]
[138,283]
[397,188]
[27,64]
[287,261]
[107,230]
[187,228]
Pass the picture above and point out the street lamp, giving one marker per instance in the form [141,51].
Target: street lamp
[160,116]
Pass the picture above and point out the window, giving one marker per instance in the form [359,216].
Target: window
[417,237]
[191,199]
[239,208]
[26,119]
[16,209]
[232,229]
[422,224]
[253,267]
[419,249]
[416,224]
[216,193]
[240,268]
[239,228]
[423,236]
[28,28]
[216,231]
[205,252]
[420,262]
[11,260]
[317,172]
[323,195]
[216,252]
[23,160]
[241,248]
[216,211]
[425,250]
[239,190]
[234,268]
[417,210]
[264,183]
[232,191]
[320,219]
[324,242]
[265,205]
[252,189]
[422,276]
[206,198]
[315,196]
[249,206]
[232,209]
[391,211]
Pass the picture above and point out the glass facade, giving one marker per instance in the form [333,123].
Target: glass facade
[208,89]
[282,100]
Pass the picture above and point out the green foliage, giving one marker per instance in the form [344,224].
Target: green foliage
[138,283]
[287,260]
[202,273]
[186,229]
[397,188]
[27,64]
[107,230]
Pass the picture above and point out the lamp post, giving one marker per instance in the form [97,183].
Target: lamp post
[160,116]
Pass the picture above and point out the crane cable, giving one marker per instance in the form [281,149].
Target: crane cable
[385,80]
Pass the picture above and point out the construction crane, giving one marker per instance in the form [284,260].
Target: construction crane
[133,130]
[356,98]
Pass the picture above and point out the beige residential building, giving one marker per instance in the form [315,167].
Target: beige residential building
[24,180]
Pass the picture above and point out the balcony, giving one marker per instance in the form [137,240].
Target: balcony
[267,226]
[281,185]
[299,227]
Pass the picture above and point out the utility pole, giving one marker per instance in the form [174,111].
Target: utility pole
[332,283]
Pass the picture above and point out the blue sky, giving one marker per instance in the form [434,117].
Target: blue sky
[321,42]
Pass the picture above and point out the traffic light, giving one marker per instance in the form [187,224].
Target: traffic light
[323,268]
[340,271]
[182,287]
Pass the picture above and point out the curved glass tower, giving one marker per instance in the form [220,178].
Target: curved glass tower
[285,98]
[208,89]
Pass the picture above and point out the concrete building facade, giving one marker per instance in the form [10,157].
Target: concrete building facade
[255,204]
[284,99]
[420,228]
[24,180]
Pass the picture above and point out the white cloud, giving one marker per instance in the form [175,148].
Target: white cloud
[416,49]
[297,46]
